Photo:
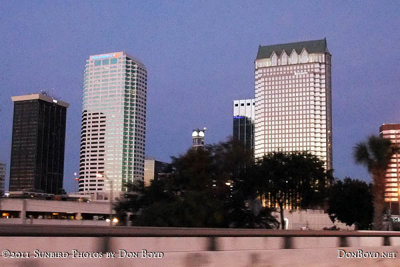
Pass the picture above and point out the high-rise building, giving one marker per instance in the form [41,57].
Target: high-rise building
[38,143]
[113,124]
[392,176]
[243,122]
[293,99]
[2,178]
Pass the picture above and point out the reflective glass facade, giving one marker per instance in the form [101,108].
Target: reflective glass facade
[38,143]
[243,122]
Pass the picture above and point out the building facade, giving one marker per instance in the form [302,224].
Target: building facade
[2,178]
[113,124]
[153,170]
[293,110]
[54,212]
[392,176]
[38,144]
[243,122]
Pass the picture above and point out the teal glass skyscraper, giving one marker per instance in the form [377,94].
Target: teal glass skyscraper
[113,132]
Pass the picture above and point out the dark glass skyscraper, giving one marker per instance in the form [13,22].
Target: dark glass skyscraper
[243,122]
[38,142]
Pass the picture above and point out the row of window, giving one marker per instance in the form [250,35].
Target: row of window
[263,150]
[292,67]
[105,62]
[242,104]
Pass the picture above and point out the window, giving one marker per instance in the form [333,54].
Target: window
[106,61]
[97,62]
[114,61]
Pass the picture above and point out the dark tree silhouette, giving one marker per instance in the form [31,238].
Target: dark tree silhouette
[208,187]
[350,201]
[297,179]
[375,154]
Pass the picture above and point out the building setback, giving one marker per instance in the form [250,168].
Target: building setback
[38,142]
[243,122]
[392,182]
[113,124]
[293,99]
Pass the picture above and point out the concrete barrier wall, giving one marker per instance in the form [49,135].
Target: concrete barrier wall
[279,248]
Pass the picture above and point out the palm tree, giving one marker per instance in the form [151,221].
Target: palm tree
[375,154]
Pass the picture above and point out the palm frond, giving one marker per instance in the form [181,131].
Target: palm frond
[362,155]
[375,153]
[380,149]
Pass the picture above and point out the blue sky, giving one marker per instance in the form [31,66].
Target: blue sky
[199,57]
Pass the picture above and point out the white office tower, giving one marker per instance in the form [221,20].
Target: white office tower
[293,99]
[113,124]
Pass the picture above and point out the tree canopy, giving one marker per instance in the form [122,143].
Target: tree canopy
[221,186]
[350,201]
[208,187]
[296,179]
[375,154]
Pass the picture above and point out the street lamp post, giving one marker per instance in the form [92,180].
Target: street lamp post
[104,176]
[77,182]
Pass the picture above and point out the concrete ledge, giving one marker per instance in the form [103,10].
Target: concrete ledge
[123,231]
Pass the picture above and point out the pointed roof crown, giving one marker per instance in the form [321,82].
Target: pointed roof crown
[316,46]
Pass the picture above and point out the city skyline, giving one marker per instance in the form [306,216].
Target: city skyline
[197,69]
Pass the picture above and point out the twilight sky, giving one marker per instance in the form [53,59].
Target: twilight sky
[199,57]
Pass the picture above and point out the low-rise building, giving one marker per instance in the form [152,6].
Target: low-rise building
[79,211]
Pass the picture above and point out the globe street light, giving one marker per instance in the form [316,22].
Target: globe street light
[198,137]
